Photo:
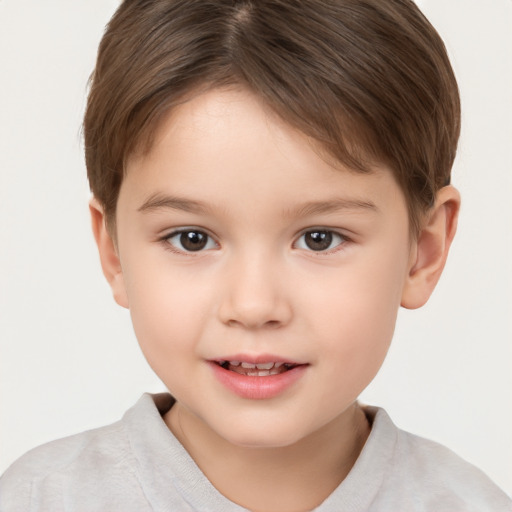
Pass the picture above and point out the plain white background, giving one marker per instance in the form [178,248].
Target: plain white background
[69,360]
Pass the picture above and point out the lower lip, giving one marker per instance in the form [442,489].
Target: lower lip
[258,388]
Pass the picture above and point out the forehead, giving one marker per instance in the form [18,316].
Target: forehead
[226,141]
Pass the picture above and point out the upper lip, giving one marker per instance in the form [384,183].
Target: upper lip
[257,359]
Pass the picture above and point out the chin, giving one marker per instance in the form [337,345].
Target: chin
[262,435]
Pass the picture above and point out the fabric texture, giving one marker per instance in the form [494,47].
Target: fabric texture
[137,465]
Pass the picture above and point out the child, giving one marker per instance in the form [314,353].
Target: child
[271,182]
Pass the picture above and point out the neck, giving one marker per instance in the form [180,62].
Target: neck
[285,479]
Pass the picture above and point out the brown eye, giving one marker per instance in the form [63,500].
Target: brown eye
[319,240]
[191,241]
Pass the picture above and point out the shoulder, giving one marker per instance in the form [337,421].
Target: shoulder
[98,469]
[436,477]
[448,476]
[42,473]
[58,454]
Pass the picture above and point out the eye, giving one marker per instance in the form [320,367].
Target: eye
[190,240]
[319,240]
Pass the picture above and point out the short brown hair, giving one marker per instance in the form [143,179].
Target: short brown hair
[369,80]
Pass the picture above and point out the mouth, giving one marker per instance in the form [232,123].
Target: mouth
[257,369]
[258,377]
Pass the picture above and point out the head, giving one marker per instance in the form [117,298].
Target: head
[369,81]
[271,183]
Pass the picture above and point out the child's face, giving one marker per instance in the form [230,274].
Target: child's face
[238,242]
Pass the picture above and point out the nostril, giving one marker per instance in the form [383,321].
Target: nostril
[254,311]
[270,324]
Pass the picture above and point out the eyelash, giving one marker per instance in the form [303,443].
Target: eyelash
[167,240]
[331,235]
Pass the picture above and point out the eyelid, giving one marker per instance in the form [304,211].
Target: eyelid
[165,239]
[344,239]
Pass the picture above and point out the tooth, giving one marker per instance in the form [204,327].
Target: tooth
[248,365]
[265,373]
[252,374]
[278,365]
[234,363]
[264,366]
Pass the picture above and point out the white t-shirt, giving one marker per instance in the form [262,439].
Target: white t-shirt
[137,465]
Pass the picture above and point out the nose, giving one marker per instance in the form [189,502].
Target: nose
[254,294]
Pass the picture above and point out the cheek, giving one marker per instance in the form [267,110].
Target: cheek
[357,342]
[358,318]
[359,338]
[168,314]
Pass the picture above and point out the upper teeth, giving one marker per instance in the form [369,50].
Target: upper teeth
[260,366]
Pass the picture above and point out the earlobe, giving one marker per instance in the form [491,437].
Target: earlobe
[430,250]
[109,258]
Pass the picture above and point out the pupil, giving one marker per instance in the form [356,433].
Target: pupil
[318,240]
[193,240]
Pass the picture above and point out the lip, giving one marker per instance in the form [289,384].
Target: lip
[257,359]
[257,388]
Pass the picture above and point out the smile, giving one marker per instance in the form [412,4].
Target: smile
[257,381]
[256,369]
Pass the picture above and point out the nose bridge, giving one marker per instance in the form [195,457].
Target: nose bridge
[255,295]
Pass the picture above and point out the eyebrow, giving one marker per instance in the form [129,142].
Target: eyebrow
[159,201]
[333,206]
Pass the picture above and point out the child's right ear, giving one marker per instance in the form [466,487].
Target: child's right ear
[109,257]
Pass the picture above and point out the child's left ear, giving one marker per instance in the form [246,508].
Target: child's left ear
[430,250]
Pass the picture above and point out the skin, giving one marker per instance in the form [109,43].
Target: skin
[223,165]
